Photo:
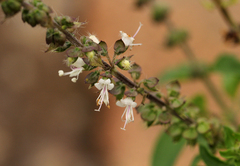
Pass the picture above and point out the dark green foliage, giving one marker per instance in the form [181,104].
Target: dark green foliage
[165,151]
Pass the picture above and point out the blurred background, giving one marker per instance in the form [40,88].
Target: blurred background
[48,120]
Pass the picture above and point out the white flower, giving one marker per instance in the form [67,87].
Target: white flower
[77,68]
[94,39]
[129,104]
[128,40]
[104,86]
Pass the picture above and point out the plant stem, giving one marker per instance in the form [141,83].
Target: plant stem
[227,17]
[205,79]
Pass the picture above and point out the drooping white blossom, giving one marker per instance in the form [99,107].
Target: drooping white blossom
[76,67]
[128,40]
[104,85]
[128,112]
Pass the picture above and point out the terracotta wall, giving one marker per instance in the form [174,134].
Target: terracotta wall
[48,120]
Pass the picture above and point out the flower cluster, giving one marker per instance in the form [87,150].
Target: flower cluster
[88,58]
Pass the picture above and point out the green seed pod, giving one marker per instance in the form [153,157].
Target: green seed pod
[190,134]
[203,126]
[31,19]
[49,35]
[25,15]
[10,7]
[59,38]
[41,17]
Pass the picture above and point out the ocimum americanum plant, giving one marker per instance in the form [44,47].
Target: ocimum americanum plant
[182,119]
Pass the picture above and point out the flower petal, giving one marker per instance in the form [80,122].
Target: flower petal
[120,104]
[107,81]
[101,81]
[99,86]
[79,63]
[110,86]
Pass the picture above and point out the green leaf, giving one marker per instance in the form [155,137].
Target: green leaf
[178,73]
[230,137]
[200,102]
[209,159]
[230,83]
[166,152]
[227,64]
[196,160]
[229,154]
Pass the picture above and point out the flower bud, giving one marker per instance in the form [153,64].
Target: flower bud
[90,55]
[30,19]
[59,38]
[94,59]
[71,60]
[124,64]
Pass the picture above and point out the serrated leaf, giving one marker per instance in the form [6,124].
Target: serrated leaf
[166,152]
